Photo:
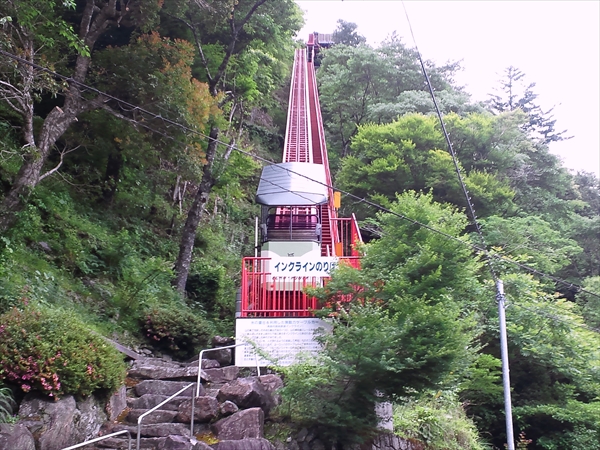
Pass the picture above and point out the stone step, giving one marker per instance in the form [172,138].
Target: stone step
[158,416]
[244,444]
[154,429]
[221,375]
[183,443]
[165,387]
[149,401]
[154,443]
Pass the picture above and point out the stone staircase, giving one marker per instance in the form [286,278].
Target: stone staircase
[229,412]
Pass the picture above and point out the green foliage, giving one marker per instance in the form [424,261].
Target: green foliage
[177,329]
[576,425]
[53,352]
[531,240]
[554,362]
[346,34]
[401,324]
[7,405]
[516,94]
[439,421]
[590,303]
[417,262]
[371,350]
[42,20]
[406,155]
[359,84]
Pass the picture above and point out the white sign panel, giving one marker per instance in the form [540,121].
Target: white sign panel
[303,267]
[282,339]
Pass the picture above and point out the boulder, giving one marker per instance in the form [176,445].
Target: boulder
[228,408]
[222,375]
[209,363]
[167,388]
[222,341]
[158,416]
[201,446]
[223,356]
[153,443]
[245,424]
[61,423]
[248,393]
[389,441]
[206,409]
[175,443]
[16,437]
[116,404]
[154,430]
[245,444]
[271,382]
[148,401]
[159,369]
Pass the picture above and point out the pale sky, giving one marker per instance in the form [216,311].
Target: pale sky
[555,43]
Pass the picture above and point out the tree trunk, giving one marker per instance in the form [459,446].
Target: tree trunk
[188,235]
[96,18]
[54,126]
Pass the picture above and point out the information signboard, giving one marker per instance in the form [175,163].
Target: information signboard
[282,339]
[302,267]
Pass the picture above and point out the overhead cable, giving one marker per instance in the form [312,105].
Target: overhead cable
[131,107]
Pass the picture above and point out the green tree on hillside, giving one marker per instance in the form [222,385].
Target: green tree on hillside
[362,84]
[346,34]
[514,94]
[232,41]
[402,324]
[407,155]
[38,33]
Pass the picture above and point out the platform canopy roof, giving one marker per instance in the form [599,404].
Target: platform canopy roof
[292,184]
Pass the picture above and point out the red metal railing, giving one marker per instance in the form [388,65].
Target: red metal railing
[268,295]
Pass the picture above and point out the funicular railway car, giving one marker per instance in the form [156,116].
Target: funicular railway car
[301,238]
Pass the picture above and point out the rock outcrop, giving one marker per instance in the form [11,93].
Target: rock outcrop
[229,412]
[59,424]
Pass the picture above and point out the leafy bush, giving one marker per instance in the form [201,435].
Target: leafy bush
[177,330]
[7,405]
[372,350]
[53,352]
[437,420]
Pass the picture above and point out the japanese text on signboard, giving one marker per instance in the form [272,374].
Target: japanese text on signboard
[316,267]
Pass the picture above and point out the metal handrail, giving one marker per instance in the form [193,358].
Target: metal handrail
[101,438]
[198,381]
[139,426]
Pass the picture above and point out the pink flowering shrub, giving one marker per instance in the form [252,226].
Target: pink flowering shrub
[53,352]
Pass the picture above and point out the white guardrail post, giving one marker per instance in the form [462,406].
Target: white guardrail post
[198,381]
[101,438]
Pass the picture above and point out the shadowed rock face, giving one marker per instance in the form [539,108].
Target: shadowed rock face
[16,437]
[245,444]
[252,392]
[206,409]
[245,424]
[61,423]
[229,414]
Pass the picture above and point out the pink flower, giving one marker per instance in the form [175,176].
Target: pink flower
[26,387]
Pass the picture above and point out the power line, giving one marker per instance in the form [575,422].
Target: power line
[171,123]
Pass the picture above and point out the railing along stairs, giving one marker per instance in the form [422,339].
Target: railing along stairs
[164,402]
